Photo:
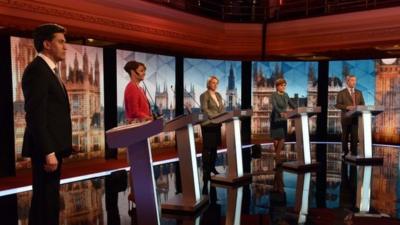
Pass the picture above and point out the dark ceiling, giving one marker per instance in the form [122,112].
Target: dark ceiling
[258,11]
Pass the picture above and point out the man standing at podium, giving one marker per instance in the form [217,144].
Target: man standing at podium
[48,133]
[347,100]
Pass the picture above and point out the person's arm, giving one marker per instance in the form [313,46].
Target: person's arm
[275,106]
[204,105]
[340,102]
[35,87]
[132,105]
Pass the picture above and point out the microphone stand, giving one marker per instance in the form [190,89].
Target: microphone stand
[154,110]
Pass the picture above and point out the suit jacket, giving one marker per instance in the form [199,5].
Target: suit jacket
[209,106]
[344,99]
[48,119]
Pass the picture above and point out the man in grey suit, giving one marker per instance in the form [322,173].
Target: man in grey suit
[347,100]
[211,105]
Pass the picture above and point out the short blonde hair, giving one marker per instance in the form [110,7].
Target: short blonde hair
[279,82]
[213,77]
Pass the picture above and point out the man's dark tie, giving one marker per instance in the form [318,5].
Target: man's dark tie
[57,74]
[353,96]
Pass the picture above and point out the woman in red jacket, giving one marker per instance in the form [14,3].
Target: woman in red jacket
[137,108]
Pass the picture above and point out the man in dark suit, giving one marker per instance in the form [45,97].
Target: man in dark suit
[347,100]
[48,133]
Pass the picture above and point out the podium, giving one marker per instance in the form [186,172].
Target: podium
[190,200]
[235,173]
[302,196]
[135,137]
[364,181]
[364,115]
[234,204]
[303,149]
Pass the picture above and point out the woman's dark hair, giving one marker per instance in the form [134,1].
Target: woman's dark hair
[133,65]
[45,32]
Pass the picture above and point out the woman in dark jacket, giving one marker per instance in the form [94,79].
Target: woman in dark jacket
[280,102]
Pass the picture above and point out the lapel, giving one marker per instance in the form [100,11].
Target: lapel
[349,98]
[213,101]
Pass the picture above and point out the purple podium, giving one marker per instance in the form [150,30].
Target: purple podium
[235,173]
[135,137]
[190,200]
[303,149]
[364,115]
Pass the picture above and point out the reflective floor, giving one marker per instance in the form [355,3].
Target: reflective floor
[337,193]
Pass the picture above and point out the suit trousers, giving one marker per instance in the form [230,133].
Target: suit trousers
[45,204]
[211,140]
[350,130]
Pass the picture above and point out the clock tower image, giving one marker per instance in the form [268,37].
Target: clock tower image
[387,128]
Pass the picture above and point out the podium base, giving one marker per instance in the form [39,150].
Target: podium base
[298,166]
[223,179]
[178,205]
[364,161]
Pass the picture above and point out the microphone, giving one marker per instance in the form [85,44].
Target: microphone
[154,110]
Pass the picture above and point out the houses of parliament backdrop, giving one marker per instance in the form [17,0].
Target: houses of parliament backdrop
[379,81]
[196,73]
[82,74]
[302,86]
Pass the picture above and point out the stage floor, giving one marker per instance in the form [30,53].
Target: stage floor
[336,193]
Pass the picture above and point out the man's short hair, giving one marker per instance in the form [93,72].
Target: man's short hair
[45,32]
[351,76]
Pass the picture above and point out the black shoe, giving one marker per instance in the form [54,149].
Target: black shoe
[214,171]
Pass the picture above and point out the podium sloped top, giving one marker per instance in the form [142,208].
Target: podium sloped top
[310,111]
[374,109]
[226,116]
[183,120]
[125,135]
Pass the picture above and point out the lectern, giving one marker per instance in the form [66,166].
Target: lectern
[303,149]
[234,147]
[364,181]
[364,115]
[302,196]
[190,200]
[135,137]
[234,204]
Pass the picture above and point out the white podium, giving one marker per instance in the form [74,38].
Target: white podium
[302,196]
[135,137]
[190,200]
[303,148]
[364,115]
[235,173]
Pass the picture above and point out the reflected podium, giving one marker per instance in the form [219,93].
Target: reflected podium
[303,148]
[234,172]
[135,137]
[364,115]
[190,200]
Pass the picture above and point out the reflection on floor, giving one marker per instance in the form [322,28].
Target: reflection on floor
[343,194]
